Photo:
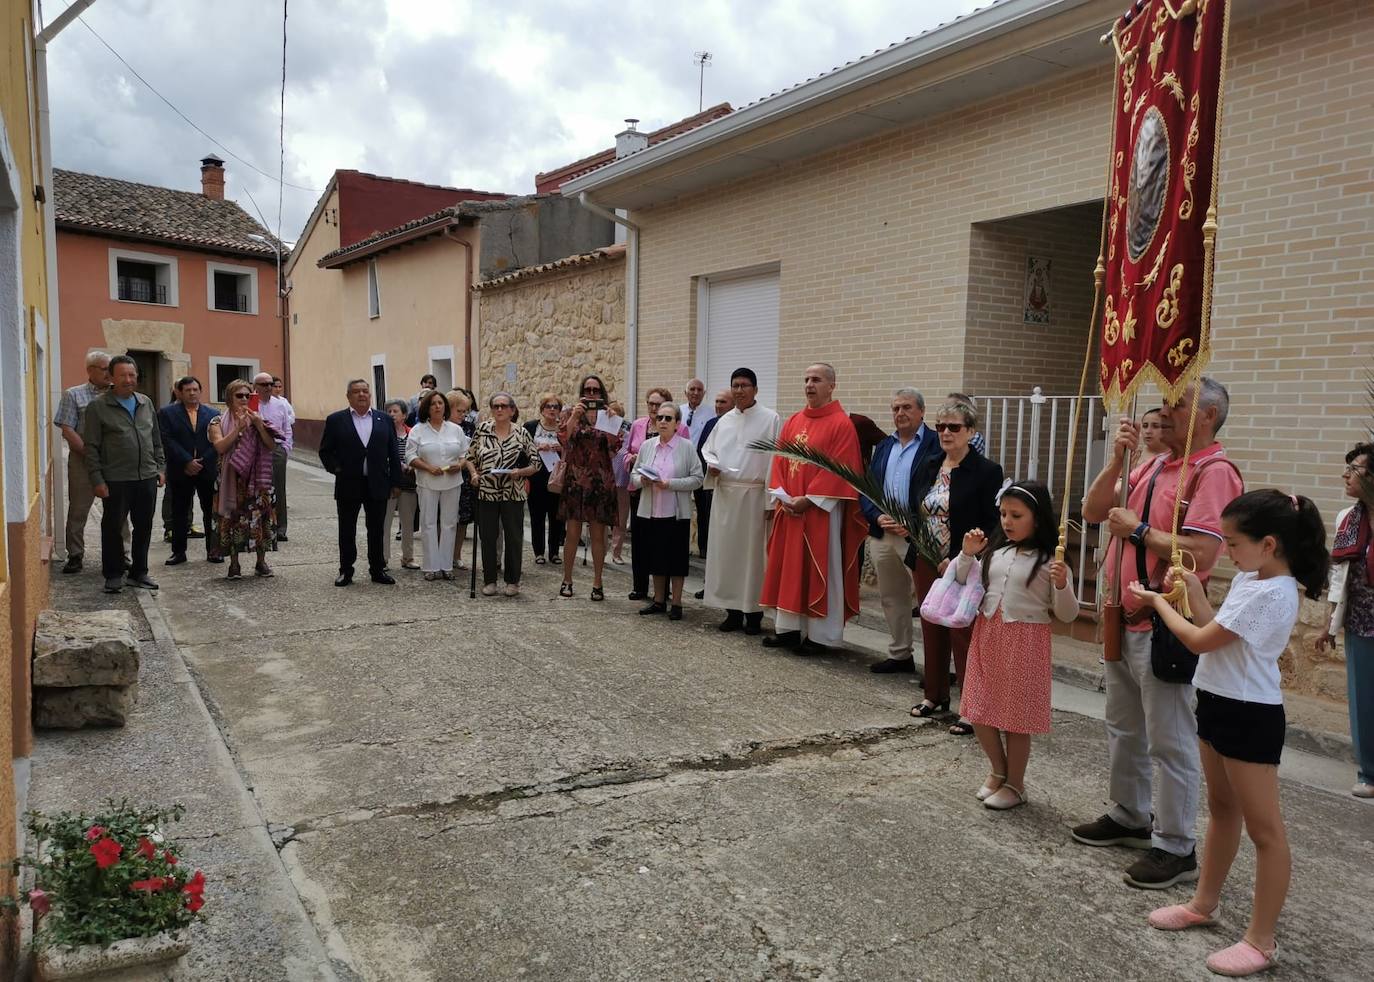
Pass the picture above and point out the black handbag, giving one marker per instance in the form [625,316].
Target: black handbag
[1170,659]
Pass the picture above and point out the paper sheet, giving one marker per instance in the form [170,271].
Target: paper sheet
[648,474]
[778,494]
[607,423]
[550,459]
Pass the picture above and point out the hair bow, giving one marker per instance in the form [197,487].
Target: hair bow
[997,498]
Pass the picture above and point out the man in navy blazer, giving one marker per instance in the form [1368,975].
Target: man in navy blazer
[192,466]
[895,464]
[360,449]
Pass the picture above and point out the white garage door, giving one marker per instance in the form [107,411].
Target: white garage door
[740,331]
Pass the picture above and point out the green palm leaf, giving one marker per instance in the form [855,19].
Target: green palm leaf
[912,519]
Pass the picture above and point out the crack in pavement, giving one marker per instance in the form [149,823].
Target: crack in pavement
[749,755]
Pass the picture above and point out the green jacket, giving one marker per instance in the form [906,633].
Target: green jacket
[120,447]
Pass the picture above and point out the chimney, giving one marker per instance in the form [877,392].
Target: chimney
[212,177]
[630,140]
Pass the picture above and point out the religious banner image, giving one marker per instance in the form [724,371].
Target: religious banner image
[1162,195]
[1036,301]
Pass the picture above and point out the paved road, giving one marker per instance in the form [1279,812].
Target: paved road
[554,789]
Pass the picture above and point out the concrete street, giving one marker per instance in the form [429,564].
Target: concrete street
[543,788]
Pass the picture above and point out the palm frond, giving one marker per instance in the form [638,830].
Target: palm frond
[913,519]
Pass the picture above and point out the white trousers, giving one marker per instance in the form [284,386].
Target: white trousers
[439,527]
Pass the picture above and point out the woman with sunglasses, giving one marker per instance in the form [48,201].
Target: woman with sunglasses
[958,489]
[667,470]
[588,484]
[642,429]
[543,503]
[246,501]
[502,457]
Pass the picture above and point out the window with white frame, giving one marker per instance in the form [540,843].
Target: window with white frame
[233,288]
[143,277]
[224,370]
[441,365]
[374,297]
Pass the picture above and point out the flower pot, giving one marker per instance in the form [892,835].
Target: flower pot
[155,957]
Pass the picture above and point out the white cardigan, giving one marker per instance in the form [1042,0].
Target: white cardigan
[1337,588]
[685,462]
[1029,603]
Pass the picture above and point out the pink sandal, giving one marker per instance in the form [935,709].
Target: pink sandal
[1241,959]
[1180,917]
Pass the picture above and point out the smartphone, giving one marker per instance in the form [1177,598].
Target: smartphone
[592,405]
[253,403]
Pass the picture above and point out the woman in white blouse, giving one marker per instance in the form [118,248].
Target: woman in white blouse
[436,450]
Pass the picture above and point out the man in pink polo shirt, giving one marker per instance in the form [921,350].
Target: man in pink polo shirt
[1150,721]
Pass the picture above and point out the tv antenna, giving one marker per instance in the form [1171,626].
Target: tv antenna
[702,59]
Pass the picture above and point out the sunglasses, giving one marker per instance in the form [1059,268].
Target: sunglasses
[501,405]
[241,395]
[591,391]
[666,418]
[551,405]
[948,427]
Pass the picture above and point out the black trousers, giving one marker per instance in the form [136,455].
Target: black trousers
[135,501]
[353,500]
[639,548]
[544,508]
[183,495]
[703,502]
[509,518]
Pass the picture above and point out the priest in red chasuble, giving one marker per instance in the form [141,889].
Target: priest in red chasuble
[811,578]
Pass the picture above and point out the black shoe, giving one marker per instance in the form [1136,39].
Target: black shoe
[634,595]
[787,639]
[700,594]
[675,612]
[214,557]
[753,623]
[176,559]
[890,665]
[281,537]
[653,608]
[1107,831]
[1158,869]
[71,566]
[344,579]
[734,620]
[142,581]
[384,578]
[809,647]
[114,584]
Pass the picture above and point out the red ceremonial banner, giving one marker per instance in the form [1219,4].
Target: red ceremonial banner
[1162,197]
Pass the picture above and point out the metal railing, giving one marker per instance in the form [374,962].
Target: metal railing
[238,302]
[143,291]
[1029,435]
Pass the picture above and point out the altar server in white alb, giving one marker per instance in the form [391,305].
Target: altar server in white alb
[740,505]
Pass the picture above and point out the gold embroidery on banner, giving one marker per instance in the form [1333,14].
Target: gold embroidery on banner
[1153,274]
[1128,323]
[1188,165]
[1156,47]
[1197,29]
[1111,327]
[1161,18]
[1126,366]
[1179,354]
[1127,83]
[1170,81]
[1166,311]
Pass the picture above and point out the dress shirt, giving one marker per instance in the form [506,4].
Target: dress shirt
[363,424]
[900,460]
[665,502]
[444,447]
[695,419]
[278,412]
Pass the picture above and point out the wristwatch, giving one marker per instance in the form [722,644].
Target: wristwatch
[1137,538]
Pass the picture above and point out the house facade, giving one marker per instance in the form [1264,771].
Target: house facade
[886,217]
[184,282]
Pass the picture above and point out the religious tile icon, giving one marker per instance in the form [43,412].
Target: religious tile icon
[1036,300]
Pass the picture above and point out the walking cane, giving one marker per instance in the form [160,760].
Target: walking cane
[472,585]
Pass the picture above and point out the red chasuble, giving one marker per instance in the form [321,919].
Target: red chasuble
[794,578]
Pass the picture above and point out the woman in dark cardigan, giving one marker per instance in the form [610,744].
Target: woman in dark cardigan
[958,488]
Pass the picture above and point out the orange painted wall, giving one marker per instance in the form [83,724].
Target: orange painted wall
[83,276]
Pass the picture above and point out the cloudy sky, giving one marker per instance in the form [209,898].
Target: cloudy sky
[446,91]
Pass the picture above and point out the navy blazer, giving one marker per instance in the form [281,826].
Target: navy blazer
[181,444]
[877,471]
[343,455]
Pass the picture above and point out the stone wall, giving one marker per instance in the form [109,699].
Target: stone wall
[548,328]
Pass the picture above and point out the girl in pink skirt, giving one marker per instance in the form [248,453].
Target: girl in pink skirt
[1006,694]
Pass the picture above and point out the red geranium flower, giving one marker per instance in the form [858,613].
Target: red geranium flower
[195,886]
[195,904]
[145,848]
[171,860]
[39,901]
[94,832]
[106,852]
[151,885]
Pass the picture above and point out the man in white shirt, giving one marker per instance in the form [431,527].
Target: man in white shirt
[279,413]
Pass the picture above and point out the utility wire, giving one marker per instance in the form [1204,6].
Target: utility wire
[281,140]
[281,183]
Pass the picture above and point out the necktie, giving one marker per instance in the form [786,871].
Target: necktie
[690,414]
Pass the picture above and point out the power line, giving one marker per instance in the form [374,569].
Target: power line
[281,183]
[281,140]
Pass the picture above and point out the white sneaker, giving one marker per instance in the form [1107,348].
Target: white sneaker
[1363,790]
[489,590]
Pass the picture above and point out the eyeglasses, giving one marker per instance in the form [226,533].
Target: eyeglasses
[948,427]
[666,418]
[1352,469]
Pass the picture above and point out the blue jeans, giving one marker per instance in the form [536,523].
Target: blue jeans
[1359,676]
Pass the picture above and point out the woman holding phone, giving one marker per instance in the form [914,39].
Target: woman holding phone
[588,483]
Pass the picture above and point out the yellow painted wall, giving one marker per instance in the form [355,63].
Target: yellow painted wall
[313,318]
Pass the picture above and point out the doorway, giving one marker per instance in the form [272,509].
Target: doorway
[148,382]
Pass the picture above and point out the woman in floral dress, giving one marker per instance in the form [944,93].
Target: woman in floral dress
[245,500]
[589,493]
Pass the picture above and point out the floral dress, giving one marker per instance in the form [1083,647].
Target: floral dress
[937,509]
[589,493]
[245,499]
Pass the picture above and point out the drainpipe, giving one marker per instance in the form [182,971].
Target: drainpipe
[57,514]
[467,306]
[631,293]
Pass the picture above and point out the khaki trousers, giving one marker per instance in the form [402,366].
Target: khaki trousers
[894,587]
[80,498]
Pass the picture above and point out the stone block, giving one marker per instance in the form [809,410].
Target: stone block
[83,706]
[84,649]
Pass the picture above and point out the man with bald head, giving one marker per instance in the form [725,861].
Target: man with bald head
[812,575]
[277,411]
